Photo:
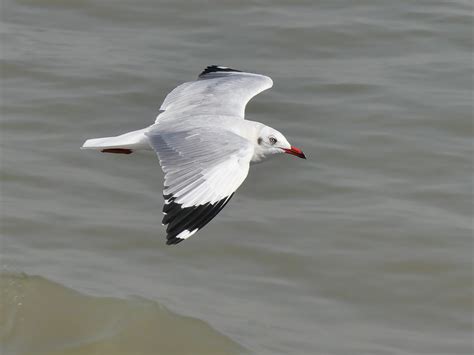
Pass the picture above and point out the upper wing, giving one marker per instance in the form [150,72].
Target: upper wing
[203,167]
[218,91]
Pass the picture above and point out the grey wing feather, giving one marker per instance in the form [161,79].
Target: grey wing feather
[203,168]
[201,165]
[218,93]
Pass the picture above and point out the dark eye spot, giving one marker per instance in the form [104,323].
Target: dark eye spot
[259,140]
[272,140]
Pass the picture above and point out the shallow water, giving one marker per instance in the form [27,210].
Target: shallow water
[365,248]
[40,316]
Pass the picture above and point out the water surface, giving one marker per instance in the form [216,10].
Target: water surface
[365,248]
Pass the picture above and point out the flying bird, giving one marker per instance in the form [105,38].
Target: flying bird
[204,145]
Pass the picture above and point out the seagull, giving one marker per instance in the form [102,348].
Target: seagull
[204,145]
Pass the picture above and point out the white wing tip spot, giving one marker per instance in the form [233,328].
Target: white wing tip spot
[186,233]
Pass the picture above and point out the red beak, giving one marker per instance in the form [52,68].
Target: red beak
[295,151]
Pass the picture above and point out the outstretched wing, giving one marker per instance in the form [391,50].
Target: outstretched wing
[218,91]
[203,167]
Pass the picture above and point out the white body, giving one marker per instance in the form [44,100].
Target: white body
[138,140]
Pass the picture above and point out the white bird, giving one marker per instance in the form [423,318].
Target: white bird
[204,145]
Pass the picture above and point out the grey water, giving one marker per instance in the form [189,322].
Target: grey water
[364,248]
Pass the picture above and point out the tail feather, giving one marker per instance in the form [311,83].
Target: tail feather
[125,143]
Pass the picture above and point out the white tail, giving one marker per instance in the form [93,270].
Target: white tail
[124,144]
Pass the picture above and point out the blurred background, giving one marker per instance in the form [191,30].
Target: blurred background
[364,248]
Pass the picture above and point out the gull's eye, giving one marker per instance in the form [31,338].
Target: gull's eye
[272,140]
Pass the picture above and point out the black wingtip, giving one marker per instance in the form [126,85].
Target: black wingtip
[190,220]
[174,241]
[216,69]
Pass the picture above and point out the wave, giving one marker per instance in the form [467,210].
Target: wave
[38,316]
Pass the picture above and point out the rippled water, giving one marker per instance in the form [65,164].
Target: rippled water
[365,248]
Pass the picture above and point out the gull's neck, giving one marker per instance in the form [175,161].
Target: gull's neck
[250,130]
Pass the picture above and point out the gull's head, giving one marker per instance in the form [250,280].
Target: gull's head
[270,142]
